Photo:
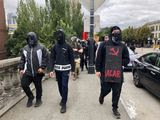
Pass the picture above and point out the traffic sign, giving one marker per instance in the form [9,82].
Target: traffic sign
[96,23]
[97,4]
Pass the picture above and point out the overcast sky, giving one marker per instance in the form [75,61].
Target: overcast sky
[123,13]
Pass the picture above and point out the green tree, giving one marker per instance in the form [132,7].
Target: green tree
[103,32]
[142,34]
[44,21]
[128,35]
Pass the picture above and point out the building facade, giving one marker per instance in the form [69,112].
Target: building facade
[3,31]
[155,28]
[11,23]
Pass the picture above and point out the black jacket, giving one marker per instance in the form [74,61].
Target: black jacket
[33,58]
[61,54]
[101,55]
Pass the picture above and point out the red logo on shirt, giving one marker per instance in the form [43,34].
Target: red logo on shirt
[114,51]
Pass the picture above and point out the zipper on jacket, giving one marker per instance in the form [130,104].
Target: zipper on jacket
[32,62]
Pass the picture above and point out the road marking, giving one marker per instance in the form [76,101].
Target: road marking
[130,108]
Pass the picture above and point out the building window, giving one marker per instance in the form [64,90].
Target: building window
[152,28]
[156,28]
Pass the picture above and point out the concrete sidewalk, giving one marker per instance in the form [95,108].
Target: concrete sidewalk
[82,103]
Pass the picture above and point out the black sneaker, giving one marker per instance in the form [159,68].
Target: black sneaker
[101,99]
[38,103]
[116,113]
[63,109]
[30,102]
[60,103]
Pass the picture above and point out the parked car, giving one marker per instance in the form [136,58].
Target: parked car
[146,72]
[133,56]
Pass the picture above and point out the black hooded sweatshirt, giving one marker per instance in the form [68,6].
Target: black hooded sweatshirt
[61,53]
[101,55]
[33,56]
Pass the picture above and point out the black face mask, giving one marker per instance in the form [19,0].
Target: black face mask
[116,37]
[60,37]
[32,40]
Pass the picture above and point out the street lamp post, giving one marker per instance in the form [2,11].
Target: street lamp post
[91,68]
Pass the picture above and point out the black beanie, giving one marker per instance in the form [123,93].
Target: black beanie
[115,28]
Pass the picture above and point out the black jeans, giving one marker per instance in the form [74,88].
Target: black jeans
[62,79]
[106,88]
[82,63]
[27,80]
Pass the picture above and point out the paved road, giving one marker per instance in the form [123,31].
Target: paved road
[82,104]
[140,104]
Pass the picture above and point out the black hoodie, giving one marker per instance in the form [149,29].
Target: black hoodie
[61,53]
[33,56]
[101,54]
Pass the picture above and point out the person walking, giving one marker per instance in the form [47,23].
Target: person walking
[77,50]
[61,63]
[34,59]
[111,56]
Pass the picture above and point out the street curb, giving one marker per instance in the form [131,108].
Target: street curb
[16,100]
[126,107]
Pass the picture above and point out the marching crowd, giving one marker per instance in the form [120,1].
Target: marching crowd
[110,55]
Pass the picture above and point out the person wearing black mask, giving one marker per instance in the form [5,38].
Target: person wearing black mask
[61,63]
[34,59]
[111,58]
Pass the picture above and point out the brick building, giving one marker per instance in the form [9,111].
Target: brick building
[3,31]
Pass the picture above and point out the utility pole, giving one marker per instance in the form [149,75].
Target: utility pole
[91,46]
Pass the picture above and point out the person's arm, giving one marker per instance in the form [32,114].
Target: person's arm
[52,62]
[71,57]
[99,58]
[80,48]
[52,59]
[45,58]
[22,61]
[125,56]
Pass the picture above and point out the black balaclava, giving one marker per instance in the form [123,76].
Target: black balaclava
[60,36]
[116,37]
[32,39]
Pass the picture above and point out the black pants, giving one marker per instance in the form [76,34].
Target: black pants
[106,88]
[27,80]
[62,79]
[82,63]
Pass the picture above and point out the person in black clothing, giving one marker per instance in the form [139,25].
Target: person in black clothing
[132,47]
[34,59]
[111,56]
[61,63]
[83,55]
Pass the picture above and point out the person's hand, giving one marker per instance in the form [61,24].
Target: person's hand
[98,74]
[80,51]
[21,72]
[52,74]
[73,73]
[75,49]
[40,70]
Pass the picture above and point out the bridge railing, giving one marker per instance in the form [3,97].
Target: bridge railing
[9,80]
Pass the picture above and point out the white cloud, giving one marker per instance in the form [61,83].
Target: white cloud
[117,12]
[128,12]
[11,5]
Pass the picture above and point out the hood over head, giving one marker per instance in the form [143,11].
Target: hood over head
[60,36]
[32,39]
[116,35]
